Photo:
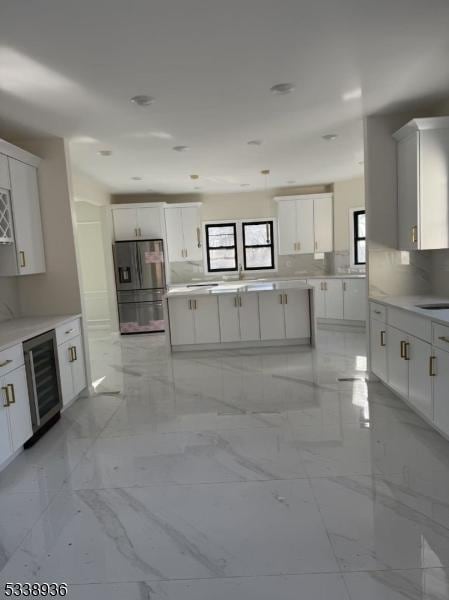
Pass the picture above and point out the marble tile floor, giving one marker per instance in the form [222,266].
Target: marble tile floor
[247,475]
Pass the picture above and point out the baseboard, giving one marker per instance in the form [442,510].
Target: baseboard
[332,323]
[241,345]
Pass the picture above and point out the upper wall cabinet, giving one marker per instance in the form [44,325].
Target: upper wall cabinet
[305,224]
[22,250]
[140,222]
[423,184]
[183,225]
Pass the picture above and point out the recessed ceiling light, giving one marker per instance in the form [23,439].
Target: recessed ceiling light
[105,152]
[255,143]
[283,88]
[194,176]
[352,95]
[137,178]
[330,137]
[181,148]
[142,100]
[265,172]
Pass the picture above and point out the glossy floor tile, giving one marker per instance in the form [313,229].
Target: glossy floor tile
[269,473]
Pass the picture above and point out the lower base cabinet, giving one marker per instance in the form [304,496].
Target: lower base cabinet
[419,355]
[71,369]
[339,299]
[15,418]
[398,370]
[284,315]
[239,317]
[441,389]
[194,320]
[378,345]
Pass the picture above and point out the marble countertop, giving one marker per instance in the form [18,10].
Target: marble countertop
[16,331]
[410,304]
[241,287]
[234,282]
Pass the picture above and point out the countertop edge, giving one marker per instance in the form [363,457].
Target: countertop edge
[47,323]
[400,303]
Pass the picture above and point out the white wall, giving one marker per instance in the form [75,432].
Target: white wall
[9,298]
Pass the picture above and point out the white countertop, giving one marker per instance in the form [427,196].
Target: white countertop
[409,303]
[242,287]
[16,331]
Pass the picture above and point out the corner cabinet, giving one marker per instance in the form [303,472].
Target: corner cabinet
[183,228]
[138,222]
[22,247]
[423,184]
[305,224]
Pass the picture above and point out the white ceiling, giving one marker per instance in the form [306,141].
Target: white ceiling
[70,68]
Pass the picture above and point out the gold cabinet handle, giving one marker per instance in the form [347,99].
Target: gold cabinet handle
[5,362]
[406,351]
[198,236]
[432,366]
[345,287]
[414,234]
[195,305]
[235,301]
[382,338]
[5,394]
[10,394]
[70,353]
[190,305]
[444,338]
[240,301]
[402,349]
[22,259]
[75,355]
[377,312]
[280,299]
[285,299]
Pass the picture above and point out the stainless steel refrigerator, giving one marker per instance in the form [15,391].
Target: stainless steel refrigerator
[140,283]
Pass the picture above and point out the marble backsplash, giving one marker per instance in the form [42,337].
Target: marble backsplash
[288,266]
[9,299]
[440,272]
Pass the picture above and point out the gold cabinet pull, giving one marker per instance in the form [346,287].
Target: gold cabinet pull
[235,301]
[402,349]
[345,287]
[70,353]
[11,394]
[190,305]
[414,234]
[75,355]
[198,236]
[285,299]
[406,351]
[280,299]
[377,312]
[5,394]
[240,301]
[382,338]
[432,366]
[195,304]
[22,259]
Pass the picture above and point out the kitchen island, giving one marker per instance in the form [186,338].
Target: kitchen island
[240,314]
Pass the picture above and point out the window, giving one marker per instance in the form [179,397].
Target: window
[359,237]
[258,247]
[246,243]
[221,246]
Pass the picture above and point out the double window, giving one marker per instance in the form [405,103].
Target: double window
[245,244]
[359,228]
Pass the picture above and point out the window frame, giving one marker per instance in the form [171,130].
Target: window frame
[208,248]
[270,223]
[239,245]
[355,237]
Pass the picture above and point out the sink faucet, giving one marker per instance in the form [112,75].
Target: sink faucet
[240,271]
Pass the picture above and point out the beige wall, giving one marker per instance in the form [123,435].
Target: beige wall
[85,189]
[348,195]
[57,290]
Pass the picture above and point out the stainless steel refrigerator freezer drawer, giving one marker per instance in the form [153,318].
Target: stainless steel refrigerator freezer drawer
[141,317]
[140,296]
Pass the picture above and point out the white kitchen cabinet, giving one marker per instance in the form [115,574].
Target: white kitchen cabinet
[19,411]
[323,223]
[440,390]
[398,366]
[272,320]
[319,296]
[5,182]
[355,301]
[137,223]
[183,227]
[378,346]
[72,372]
[284,315]
[5,437]
[419,355]
[305,224]
[423,190]
[29,245]
[239,317]
[194,320]
[328,298]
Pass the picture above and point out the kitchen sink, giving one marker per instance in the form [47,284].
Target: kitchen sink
[439,306]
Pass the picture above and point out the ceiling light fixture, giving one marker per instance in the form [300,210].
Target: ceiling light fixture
[355,94]
[280,89]
[255,143]
[330,137]
[194,176]
[142,100]
[181,148]
[105,152]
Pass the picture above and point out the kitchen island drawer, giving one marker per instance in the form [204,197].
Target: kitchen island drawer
[11,358]
[67,331]
[440,336]
[420,327]
[378,311]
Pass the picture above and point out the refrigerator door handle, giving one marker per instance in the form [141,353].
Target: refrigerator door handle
[139,266]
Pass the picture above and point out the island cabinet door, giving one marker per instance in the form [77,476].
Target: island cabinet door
[272,323]
[297,314]
[19,408]
[182,328]
[207,323]
[419,354]
[378,343]
[334,298]
[398,366]
[228,306]
[249,317]
[5,439]
[319,297]
[354,299]
[441,390]
[65,357]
